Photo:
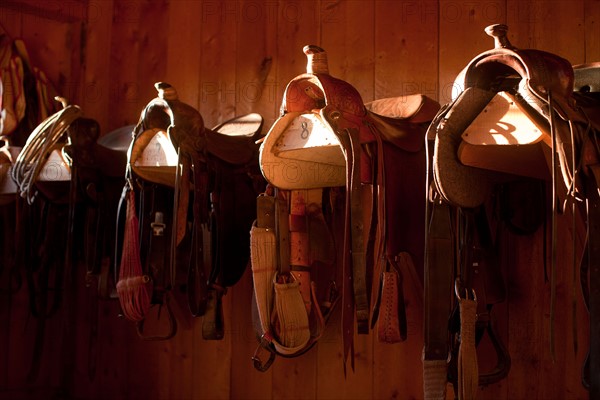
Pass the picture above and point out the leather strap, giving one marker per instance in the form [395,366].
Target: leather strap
[594,280]
[200,260]
[389,325]
[438,280]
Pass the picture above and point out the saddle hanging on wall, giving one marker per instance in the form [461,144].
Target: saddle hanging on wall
[327,137]
[517,104]
[213,179]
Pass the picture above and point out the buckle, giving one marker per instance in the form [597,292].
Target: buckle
[264,344]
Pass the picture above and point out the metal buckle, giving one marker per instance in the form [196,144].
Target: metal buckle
[265,341]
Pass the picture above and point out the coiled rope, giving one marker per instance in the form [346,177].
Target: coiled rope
[40,142]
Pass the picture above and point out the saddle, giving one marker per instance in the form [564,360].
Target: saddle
[519,122]
[68,183]
[197,199]
[372,156]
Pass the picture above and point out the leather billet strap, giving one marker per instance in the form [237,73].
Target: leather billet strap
[439,270]
[593,362]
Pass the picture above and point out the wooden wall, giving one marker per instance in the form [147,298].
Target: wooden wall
[236,56]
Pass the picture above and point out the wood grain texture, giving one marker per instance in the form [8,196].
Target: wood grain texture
[592,30]
[403,30]
[228,58]
[462,36]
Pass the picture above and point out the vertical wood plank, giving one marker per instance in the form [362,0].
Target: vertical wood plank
[462,36]
[138,46]
[531,25]
[96,80]
[112,350]
[212,362]
[592,30]
[526,291]
[256,52]
[56,46]
[184,49]
[406,48]
[348,34]
[11,22]
[218,92]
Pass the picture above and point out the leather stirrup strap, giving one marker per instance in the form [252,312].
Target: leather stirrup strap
[594,281]
[468,371]
[263,256]
[200,252]
[359,266]
[438,280]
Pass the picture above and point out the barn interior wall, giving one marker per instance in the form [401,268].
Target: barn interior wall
[232,57]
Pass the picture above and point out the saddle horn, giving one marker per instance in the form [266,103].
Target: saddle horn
[316,60]
[498,32]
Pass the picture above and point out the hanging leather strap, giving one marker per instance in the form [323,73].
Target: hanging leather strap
[199,264]
[438,281]
[594,280]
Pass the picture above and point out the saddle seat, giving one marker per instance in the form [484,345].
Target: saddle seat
[399,119]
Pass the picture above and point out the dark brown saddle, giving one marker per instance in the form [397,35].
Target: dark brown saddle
[327,137]
[69,166]
[535,90]
[211,179]
[67,183]
[518,123]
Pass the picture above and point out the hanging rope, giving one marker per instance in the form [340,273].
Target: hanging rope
[134,288]
[31,159]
